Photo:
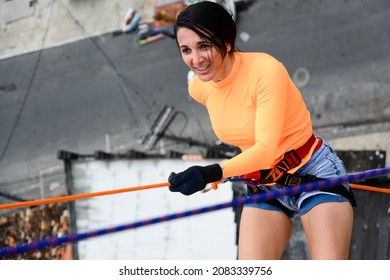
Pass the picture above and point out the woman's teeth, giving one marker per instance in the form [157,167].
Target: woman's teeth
[203,68]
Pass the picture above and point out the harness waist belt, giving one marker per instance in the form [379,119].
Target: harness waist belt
[290,160]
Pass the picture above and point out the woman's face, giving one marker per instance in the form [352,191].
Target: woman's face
[201,56]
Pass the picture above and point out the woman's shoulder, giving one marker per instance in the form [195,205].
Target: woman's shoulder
[196,83]
[259,63]
[258,57]
[197,89]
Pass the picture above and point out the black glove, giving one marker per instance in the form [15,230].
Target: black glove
[194,178]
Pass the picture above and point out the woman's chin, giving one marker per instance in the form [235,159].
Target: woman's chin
[204,77]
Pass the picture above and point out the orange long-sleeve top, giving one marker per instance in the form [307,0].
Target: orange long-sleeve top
[257,108]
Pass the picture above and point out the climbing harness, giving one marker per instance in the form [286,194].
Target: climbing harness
[290,160]
[279,174]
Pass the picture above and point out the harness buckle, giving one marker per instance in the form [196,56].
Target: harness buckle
[290,160]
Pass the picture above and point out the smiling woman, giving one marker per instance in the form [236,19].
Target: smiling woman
[254,104]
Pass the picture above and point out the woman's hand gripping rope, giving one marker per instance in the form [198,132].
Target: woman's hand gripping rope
[195,179]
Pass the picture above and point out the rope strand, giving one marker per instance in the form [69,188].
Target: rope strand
[79,196]
[369,188]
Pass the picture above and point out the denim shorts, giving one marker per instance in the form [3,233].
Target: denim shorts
[324,163]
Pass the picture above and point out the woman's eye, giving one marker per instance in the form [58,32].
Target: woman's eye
[185,50]
[204,46]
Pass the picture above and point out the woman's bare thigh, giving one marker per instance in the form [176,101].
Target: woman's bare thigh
[264,234]
[328,228]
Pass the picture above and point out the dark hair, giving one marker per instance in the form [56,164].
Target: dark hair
[211,22]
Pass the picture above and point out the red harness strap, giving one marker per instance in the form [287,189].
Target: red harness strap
[290,160]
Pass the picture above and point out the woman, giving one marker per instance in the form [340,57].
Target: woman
[253,104]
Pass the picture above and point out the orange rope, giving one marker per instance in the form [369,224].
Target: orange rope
[369,188]
[138,188]
[79,196]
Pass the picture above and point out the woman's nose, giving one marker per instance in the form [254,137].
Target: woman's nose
[196,58]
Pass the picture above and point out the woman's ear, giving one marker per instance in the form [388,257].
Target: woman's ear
[228,47]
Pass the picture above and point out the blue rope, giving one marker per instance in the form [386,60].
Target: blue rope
[75,237]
